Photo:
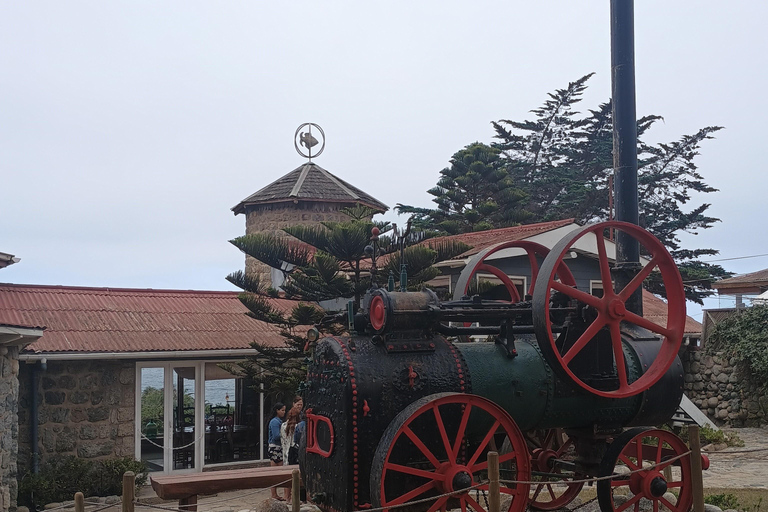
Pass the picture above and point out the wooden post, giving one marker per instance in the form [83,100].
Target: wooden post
[79,502]
[295,491]
[697,480]
[129,490]
[494,492]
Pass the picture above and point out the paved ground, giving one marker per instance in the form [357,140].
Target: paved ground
[743,467]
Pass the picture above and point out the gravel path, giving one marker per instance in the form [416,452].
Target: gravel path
[740,467]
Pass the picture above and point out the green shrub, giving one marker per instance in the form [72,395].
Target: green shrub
[708,435]
[724,501]
[62,476]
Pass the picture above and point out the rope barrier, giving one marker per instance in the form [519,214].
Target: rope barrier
[598,478]
[751,450]
[175,447]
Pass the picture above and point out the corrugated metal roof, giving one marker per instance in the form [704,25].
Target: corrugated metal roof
[313,183]
[479,240]
[655,310]
[757,278]
[80,319]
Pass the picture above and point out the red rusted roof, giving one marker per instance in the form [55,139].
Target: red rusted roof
[479,240]
[655,310]
[80,319]
[759,278]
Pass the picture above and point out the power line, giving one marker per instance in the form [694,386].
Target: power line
[737,258]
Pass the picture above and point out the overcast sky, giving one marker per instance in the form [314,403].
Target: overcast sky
[129,129]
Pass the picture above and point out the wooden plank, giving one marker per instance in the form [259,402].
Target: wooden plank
[169,487]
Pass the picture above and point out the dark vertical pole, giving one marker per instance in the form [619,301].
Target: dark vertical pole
[625,143]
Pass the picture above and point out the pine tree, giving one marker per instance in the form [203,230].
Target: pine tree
[328,262]
[559,164]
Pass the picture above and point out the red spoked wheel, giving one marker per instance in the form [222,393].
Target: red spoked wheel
[478,265]
[435,452]
[647,464]
[552,457]
[609,311]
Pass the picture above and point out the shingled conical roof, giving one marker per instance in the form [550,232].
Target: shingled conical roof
[310,182]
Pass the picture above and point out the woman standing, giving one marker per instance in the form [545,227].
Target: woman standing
[286,435]
[275,447]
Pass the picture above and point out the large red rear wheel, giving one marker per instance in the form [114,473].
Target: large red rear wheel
[648,464]
[477,264]
[609,312]
[435,452]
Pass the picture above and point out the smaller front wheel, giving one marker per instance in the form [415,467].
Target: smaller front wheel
[646,464]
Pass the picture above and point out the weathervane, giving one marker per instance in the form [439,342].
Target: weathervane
[304,141]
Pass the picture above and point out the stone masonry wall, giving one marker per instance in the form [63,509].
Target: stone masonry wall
[272,218]
[86,409]
[715,385]
[9,426]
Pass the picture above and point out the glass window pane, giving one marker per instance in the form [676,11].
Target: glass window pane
[152,417]
[183,417]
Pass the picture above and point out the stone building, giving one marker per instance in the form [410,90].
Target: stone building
[308,195]
[133,372]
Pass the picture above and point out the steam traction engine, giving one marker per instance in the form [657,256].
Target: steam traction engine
[566,392]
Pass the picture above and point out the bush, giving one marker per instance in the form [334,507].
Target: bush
[723,501]
[708,435]
[62,476]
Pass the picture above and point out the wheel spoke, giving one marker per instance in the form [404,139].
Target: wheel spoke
[537,492]
[575,293]
[638,280]
[462,429]
[421,446]
[647,324]
[634,500]
[659,447]
[618,354]
[589,333]
[675,483]
[438,504]
[551,491]
[655,505]
[463,504]
[414,471]
[472,503]
[605,268]
[480,448]
[443,434]
[502,459]
[631,465]
[565,447]
[411,494]
[667,503]
[639,452]
[619,482]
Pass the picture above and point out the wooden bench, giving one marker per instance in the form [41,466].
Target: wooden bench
[185,488]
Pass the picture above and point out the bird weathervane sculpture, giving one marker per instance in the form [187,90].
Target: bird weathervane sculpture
[305,141]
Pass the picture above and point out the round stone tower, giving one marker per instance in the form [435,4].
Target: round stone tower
[308,195]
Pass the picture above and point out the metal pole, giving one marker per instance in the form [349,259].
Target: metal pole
[625,144]
[494,491]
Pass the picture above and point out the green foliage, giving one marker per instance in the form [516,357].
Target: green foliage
[557,166]
[724,501]
[744,336]
[62,476]
[708,435]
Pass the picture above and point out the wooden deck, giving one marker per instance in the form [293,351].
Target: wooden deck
[186,488]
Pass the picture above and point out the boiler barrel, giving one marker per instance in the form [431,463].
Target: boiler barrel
[527,388]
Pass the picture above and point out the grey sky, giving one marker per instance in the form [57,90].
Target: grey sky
[129,129]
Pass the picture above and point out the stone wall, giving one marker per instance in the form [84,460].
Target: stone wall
[9,426]
[86,408]
[273,217]
[717,387]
